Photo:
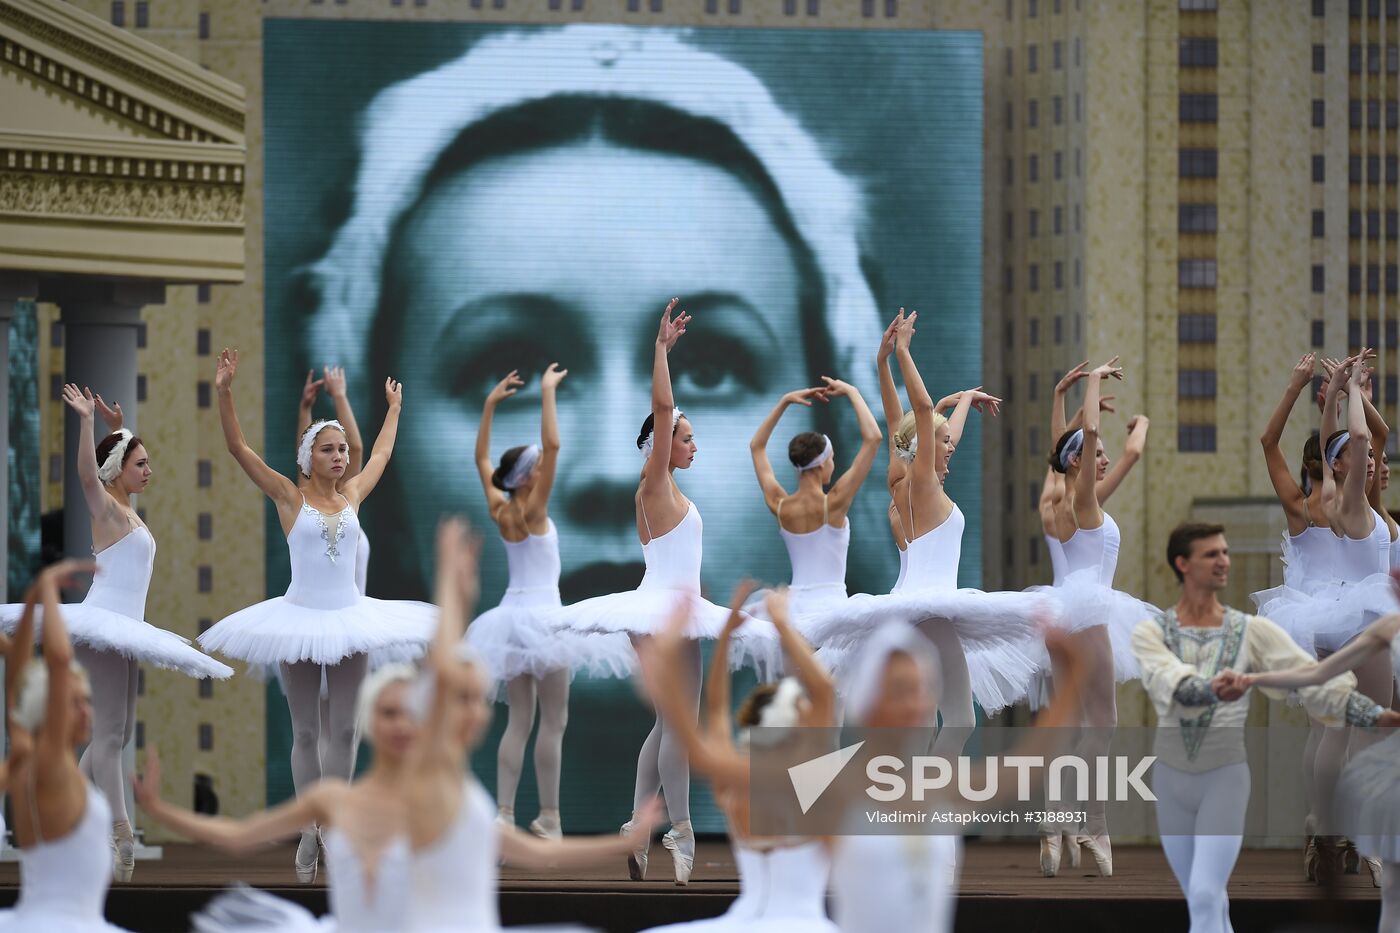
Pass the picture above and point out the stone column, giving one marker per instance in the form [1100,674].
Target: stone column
[13,286]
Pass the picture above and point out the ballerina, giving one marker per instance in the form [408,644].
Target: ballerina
[782,880]
[323,621]
[534,662]
[817,549]
[669,528]
[109,634]
[1097,616]
[1188,657]
[984,640]
[62,822]
[333,381]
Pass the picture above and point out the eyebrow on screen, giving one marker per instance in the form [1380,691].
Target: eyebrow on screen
[717,299]
[511,308]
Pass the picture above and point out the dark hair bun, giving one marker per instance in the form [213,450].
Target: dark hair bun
[104,449]
[1054,459]
[805,447]
[648,426]
[751,711]
[508,460]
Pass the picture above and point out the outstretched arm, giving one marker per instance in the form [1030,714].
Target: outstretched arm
[1374,640]
[58,655]
[969,399]
[549,440]
[273,484]
[657,476]
[1355,506]
[773,491]
[309,390]
[1290,496]
[484,468]
[1380,433]
[455,589]
[919,400]
[82,402]
[1133,450]
[340,395]
[1087,511]
[815,679]
[525,850]
[843,491]
[1058,424]
[357,489]
[889,395]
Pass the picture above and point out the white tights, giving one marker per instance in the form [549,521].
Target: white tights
[662,764]
[955,689]
[114,680]
[1193,810]
[302,684]
[551,692]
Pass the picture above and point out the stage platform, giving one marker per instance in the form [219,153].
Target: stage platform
[1002,890]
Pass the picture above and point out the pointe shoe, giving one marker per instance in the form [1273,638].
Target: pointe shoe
[1374,864]
[1070,846]
[637,858]
[681,841]
[1050,849]
[547,825]
[308,859]
[1100,848]
[123,851]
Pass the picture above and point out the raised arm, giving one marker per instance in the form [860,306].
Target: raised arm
[1087,511]
[309,390]
[815,679]
[357,489]
[1380,434]
[222,832]
[455,587]
[58,655]
[1058,424]
[656,479]
[1374,640]
[889,395]
[773,491]
[919,401]
[549,441]
[340,395]
[1290,495]
[1133,449]
[273,484]
[969,399]
[504,389]
[81,401]
[843,491]
[1355,507]
[1332,394]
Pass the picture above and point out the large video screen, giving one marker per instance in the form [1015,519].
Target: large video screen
[446,202]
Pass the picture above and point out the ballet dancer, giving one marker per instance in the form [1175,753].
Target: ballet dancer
[111,638]
[323,621]
[333,381]
[62,822]
[782,879]
[669,528]
[816,533]
[1367,790]
[983,639]
[1099,618]
[1189,658]
[520,649]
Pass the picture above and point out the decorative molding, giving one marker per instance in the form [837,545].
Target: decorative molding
[45,146]
[86,39]
[107,197]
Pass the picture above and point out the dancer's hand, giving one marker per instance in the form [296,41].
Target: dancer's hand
[835,388]
[393,393]
[553,375]
[1137,434]
[458,550]
[1226,685]
[1389,719]
[145,785]
[1303,372]
[112,415]
[1357,367]
[887,342]
[505,388]
[1108,404]
[78,400]
[805,396]
[64,575]
[1070,378]
[984,402]
[644,820]
[741,595]
[1111,369]
[904,333]
[226,369]
[335,382]
[671,329]
[310,389]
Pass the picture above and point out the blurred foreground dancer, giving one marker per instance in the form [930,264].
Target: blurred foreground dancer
[1190,659]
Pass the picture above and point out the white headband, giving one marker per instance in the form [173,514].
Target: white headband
[1335,448]
[676,415]
[112,467]
[1072,446]
[819,459]
[523,465]
[308,441]
[906,454]
[866,675]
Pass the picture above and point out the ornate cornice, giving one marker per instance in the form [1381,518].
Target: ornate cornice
[139,82]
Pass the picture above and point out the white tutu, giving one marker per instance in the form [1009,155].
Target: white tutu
[104,630]
[1081,602]
[242,909]
[997,631]
[1327,614]
[516,639]
[1368,800]
[277,630]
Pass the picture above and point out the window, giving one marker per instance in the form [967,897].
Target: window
[1354,59]
[1392,115]
[1033,555]
[1057,55]
[1195,383]
[1319,8]
[1392,59]
[140,734]
[1077,172]
[1031,8]
[140,387]
[1319,112]
[206,737]
[206,689]
[1010,225]
[867,8]
[1010,61]
[1009,497]
[1032,113]
[1058,160]
[143,14]
[891,9]
[1199,53]
[1033,492]
[201,341]
[1195,328]
[1059,328]
[1391,173]
[1009,334]
[1059,220]
[1319,224]
[1319,59]
[1076,52]
[1034,273]
[204,34]
[1195,438]
[1198,4]
[1319,168]
[1033,168]
[118,13]
[1076,273]
[55,468]
[1033,334]
[1373,280]
[205,526]
[1373,225]
[1076,218]
[1373,333]
[1199,108]
[1354,224]
[1195,273]
[1059,275]
[56,333]
[1032,58]
[55,387]
[206,579]
[1373,114]
[1008,280]
[205,471]
[202,393]
[1354,169]
[1353,279]
[1033,224]
[1391,387]
[1009,115]
[1353,333]
[1373,59]
[1058,106]
[1078,111]
[1197,163]
[1318,334]
[1196,218]
[1354,113]
[1391,279]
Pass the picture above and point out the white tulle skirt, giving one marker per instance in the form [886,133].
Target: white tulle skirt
[1081,602]
[645,611]
[53,920]
[516,639]
[278,631]
[998,633]
[242,909]
[1326,615]
[104,630]
[1368,800]
[727,924]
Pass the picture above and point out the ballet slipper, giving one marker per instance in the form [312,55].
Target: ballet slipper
[1102,851]
[547,825]
[1070,846]
[637,858]
[1377,872]
[308,858]
[681,842]
[123,850]
[1050,854]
